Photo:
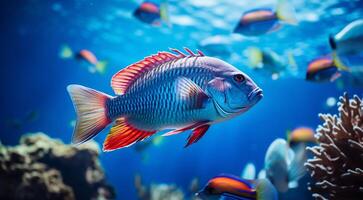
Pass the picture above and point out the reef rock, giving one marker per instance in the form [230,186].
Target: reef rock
[337,166]
[44,168]
[157,191]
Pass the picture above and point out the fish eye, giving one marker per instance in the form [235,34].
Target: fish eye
[239,78]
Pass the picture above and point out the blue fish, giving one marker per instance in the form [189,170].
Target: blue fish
[263,20]
[322,69]
[163,91]
[152,13]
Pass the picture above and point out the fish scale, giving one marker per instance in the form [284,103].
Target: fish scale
[167,107]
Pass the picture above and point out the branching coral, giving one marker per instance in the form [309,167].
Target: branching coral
[337,166]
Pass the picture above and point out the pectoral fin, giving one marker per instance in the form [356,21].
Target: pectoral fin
[197,134]
[190,92]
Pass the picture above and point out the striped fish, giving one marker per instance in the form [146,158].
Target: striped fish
[163,91]
[264,20]
[232,187]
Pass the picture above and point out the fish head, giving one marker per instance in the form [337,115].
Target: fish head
[232,90]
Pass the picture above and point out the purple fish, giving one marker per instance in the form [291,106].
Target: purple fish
[163,91]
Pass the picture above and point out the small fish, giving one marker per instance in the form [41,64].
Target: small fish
[163,91]
[84,55]
[283,166]
[152,13]
[269,62]
[233,187]
[322,69]
[266,60]
[347,46]
[301,135]
[263,20]
[249,172]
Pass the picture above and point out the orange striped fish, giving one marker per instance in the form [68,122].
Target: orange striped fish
[237,188]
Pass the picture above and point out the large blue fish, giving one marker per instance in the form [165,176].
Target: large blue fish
[263,20]
[164,91]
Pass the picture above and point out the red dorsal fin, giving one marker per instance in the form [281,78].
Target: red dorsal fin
[122,134]
[197,134]
[121,81]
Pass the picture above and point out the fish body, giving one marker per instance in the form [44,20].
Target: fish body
[86,56]
[165,91]
[347,46]
[257,22]
[263,20]
[229,186]
[152,13]
[268,62]
[148,12]
[283,167]
[322,69]
[301,135]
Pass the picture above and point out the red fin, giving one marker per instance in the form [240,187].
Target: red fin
[125,77]
[197,134]
[177,131]
[123,134]
[122,79]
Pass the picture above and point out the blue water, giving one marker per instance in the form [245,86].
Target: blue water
[34,78]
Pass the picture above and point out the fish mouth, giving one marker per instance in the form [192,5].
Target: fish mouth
[255,95]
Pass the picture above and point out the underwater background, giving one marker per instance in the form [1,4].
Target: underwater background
[34,78]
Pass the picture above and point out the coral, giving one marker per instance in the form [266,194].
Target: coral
[337,166]
[165,192]
[157,191]
[44,168]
